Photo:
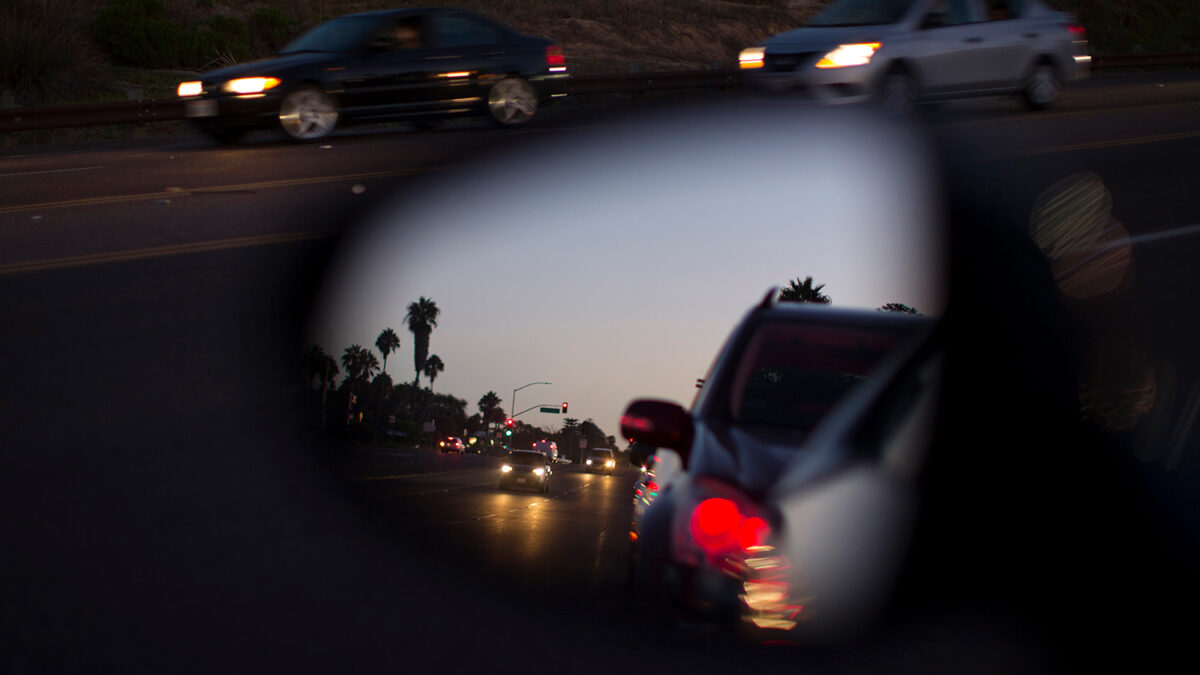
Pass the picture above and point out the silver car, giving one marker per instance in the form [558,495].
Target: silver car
[900,52]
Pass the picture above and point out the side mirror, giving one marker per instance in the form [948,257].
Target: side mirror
[658,424]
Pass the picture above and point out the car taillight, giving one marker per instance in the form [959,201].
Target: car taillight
[554,56]
[1076,30]
[718,526]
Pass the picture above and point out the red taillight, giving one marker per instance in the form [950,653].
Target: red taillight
[554,57]
[1076,30]
[718,526]
[652,486]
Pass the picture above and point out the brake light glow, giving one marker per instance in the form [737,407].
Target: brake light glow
[1076,29]
[718,526]
[555,59]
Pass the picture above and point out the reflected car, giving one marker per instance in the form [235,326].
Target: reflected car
[417,64]
[600,461]
[452,444]
[780,503]
[527,469]
[898,53]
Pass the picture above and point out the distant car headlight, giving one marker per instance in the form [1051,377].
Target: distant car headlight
[849,55]
[505,469]
[610,464]
[190,88]
[251,85]
[751,57]
[539,472]
[589,462]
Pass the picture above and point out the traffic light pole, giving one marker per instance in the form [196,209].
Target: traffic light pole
[514,396]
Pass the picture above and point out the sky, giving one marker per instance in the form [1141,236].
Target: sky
[614,264]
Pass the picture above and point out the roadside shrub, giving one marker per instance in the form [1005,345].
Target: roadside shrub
[45,52]
[140,33]
[270,30]
[226,35]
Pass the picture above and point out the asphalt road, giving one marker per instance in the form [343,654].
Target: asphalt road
[168,506]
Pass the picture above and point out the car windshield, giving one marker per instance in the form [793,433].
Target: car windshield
[790,375]
[339,35]
[601,455]
[862,13]
[527,459]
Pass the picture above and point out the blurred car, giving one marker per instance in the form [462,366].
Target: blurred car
[526,468]
[452,444]
[901,52]
[420,64]
[784,505]
[600,461]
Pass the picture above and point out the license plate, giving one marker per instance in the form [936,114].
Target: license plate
[201,108]
[520,480]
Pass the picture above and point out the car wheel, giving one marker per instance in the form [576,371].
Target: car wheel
[1043,87]
[308,114]
[512,101]
[897,93]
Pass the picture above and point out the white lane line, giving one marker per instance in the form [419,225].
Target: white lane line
[35,173]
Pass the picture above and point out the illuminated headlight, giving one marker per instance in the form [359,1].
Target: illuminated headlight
[190,88]
[505,469]
[589,462]
[251,85]
[539,472]
[610,464]
[751,57]
[849,55]
[443,444]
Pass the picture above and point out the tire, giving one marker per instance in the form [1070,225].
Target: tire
[512,101]
[308,114]
[897,93]
[1043,87]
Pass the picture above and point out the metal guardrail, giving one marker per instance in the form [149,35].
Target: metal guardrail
[167,110]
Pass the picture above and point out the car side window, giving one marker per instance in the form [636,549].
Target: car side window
[953,13]
[456,30]
[1001,10]
[402,34]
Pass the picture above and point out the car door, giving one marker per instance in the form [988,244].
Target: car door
[466,58]
[953,45]
[387,75]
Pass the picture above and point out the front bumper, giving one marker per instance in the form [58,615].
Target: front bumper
[229,111]
[852,84]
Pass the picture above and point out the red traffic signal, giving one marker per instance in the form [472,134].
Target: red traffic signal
[509,422]
[564,407]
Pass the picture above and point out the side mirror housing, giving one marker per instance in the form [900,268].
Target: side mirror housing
[658,424]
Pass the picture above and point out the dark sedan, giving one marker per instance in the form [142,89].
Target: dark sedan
[417,64]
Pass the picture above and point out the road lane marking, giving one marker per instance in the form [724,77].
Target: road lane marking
[1099,145]
[36,173]
[214,189]
[163,251]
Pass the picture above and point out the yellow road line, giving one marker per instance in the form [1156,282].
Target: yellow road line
[162,251]
[262,185]
[1141,140]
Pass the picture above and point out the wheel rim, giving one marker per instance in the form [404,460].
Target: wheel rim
[307,114]
[898,96]
[512,101]
[1044,87]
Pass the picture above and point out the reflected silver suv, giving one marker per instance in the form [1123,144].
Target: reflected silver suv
[901,52]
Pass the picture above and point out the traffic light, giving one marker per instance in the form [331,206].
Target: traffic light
[508,427]
[564,407]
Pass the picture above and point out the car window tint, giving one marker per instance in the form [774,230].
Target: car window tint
[792,375]
[527,459]
[402,34]
[956,12]
[455,30]
[339,35]
[999,10]
[862,13]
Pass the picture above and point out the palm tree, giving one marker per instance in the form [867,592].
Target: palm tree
[422,319]
[433,366]
[360,364]
[386,343]
[898,307]
[804,292]
[489,404]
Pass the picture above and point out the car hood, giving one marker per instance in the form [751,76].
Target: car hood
[820,38]
[757,463]
[274,66]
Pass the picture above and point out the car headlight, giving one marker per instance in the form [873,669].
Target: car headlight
[751,57]
[610,464]
[190,88]
[251,85]
[849,55]
[505,469]
[539,472]
[589,462]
